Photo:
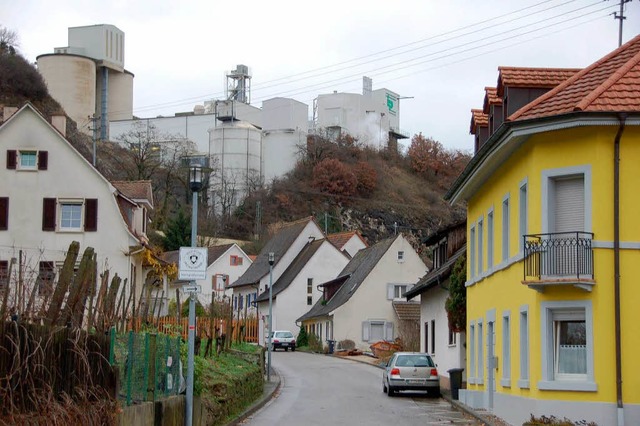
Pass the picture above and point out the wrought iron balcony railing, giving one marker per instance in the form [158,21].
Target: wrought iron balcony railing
[558,256]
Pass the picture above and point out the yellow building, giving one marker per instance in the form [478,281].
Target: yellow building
[553,245]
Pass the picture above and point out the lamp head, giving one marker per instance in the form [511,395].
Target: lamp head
[195,178]
[272,258]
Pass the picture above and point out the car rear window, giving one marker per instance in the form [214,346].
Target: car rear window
[414,361]
[284,334]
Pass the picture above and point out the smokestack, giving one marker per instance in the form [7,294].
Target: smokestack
[59,121]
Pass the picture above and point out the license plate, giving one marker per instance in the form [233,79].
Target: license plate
[285,344]
[415,382]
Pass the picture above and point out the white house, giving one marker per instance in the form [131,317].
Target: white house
[349,242]
[226,263]
[446,347]
[296,291]
[359,304]
[51,196]
[285,244]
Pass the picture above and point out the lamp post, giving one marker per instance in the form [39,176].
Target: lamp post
[195,184]
[271,261]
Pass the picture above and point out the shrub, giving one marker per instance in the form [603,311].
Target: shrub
[554,421]
[334,177]
[315,344]
[303,337]
[347,344]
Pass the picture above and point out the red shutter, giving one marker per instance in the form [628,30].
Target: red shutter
[12,157]
[4,213]
[43,160]
[49,214]
[91,215]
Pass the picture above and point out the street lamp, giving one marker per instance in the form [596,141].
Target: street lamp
[271,262]
[195,184]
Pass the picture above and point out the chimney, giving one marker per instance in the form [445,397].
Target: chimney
[59,121]
[7,112]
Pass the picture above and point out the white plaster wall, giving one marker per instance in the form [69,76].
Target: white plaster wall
[354,245]
[370,302]
[432,307]
[69,175]
[223,266]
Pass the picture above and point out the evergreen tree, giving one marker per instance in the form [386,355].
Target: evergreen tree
[178,233]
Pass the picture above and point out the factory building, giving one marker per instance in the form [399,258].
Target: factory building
[88,77]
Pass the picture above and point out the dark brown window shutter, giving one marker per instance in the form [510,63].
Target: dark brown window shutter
[4,213]
[12,157]
[91,215]
[43,160]
[49,214]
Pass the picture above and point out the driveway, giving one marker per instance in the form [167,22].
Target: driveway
[324,390]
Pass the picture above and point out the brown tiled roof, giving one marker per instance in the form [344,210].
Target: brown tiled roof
[407,311]
[490,98]
[532,77]
[341,238]
[478,118]
[136,190]
[611,84]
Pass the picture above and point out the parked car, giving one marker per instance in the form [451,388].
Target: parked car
[410,371]
[283,339]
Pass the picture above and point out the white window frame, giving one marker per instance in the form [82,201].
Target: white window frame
[388,329]
[472,352]
[62,203]
[24,153]
[548,205]
[480,232]
[524,214]
[505,228]
[506,349]
[480,376]
[394,289]
[453,338]
[472,251]
[523,382]
[549,380]
[490,239]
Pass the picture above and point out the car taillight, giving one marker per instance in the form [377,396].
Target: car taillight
[293,341]
[395,372]
[276,341]
[434,372]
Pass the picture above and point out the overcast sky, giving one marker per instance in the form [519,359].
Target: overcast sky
[441,53]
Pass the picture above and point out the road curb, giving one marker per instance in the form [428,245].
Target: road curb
[271,390]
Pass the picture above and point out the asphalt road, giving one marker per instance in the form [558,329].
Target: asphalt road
[324,390]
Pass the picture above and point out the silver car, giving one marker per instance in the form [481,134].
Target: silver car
[410,371]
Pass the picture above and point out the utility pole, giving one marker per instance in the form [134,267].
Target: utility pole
[620,16]
[94,128]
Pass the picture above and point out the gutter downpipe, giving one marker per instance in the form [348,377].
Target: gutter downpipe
[616,262]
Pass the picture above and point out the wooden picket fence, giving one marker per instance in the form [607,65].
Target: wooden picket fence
[245,330]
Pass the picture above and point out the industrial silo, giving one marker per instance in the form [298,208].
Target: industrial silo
[235,149]
[71,80]
[120,95]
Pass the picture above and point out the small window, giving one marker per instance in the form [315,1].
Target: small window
[524,348]
[400,256]
[472,252]
[396,291]
[505,229]
[235,260]
[452,337]
[4,213]
[472,351]
[70,216]
[523,215]
[433,337]
[480,376]
[309,291]
[28,160]
[506,349]
[490,239]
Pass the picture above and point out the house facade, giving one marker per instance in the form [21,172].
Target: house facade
[447,347]
[553,249]
[51,196]
[359,303]
[287,241]
[296,290]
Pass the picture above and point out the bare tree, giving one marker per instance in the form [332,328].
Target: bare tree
[8,40]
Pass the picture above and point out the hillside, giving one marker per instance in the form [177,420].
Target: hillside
[344,185]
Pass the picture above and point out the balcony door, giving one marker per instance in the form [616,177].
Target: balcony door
[565,222]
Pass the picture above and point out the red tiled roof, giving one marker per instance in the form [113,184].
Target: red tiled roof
[342,238]
[135,190]
[611,84]
[478,118]
[490,98]
[532,77]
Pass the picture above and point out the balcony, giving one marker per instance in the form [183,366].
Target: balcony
[558,259]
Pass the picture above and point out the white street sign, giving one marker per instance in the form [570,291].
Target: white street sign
[192,264]
[196,288]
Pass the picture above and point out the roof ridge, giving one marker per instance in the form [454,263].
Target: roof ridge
[613,78]
[513,68]
[571,79]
